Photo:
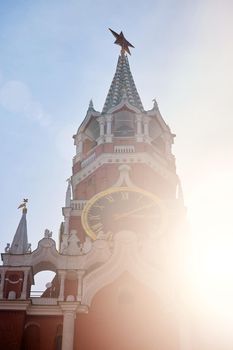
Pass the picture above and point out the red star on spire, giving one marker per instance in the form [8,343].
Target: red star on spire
[120,40]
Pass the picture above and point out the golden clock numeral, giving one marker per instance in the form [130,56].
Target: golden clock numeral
[101,207]
[94,217]
[110,199]
[97,227]
[109,235]
[125,196]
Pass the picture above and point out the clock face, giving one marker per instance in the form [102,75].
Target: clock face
[123,208]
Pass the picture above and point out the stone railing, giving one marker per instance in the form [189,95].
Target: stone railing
[78,204]
[124,149]
[43,301]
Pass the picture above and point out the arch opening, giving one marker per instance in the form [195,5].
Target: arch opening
[44,284]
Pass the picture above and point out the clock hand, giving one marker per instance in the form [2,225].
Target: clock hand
[129,213]
[144,216]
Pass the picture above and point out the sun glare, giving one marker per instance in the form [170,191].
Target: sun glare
[212,242]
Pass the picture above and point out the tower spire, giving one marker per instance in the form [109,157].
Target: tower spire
[122,85]
[20,241]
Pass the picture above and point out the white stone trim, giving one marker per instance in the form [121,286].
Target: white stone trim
[124,149]
[154,163]
[122,104]
[69,315]
[80,274]
[124,177]
[78,204]
[43,301]
[88,160]
[14,305]
[125,257]
[44,310]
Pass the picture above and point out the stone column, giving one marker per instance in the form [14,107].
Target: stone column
[109,128]
[101,122]
[25,281]
[69,315]
[146,125]
[78,141]
[66,213]
[139,128]
[2,283]
[62,275]
[80,274]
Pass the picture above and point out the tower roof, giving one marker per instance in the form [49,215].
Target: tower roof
[20,241]
[122,86]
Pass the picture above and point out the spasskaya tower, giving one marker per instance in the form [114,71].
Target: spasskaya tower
[121,244]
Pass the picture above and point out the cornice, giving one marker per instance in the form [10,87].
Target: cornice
[14,305]
[154,162]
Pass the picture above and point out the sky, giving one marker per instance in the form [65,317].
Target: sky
[57,55]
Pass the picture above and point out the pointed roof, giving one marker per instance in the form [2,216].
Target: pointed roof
[122,86]
[20,241]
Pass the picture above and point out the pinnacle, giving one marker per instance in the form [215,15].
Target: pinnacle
[20,241]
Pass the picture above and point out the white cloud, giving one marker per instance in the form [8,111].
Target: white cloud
[34,111]
[15,96]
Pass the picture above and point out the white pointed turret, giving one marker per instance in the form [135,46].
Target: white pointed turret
[20,241]
[68,194]
[91,105]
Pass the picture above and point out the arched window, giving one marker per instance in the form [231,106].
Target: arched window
[124,124]
[93,129]
[42,279]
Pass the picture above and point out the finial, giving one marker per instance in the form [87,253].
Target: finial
[120,40]
[24,205]
[68,193]
[155,106]
[91,105]
[47,233]
[7,248]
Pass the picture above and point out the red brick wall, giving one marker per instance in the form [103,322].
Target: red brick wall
[141,175]
[11,329]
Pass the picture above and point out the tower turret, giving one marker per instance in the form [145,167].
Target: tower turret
[20,241]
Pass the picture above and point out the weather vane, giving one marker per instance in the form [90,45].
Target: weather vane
[23,205]
[120,40]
